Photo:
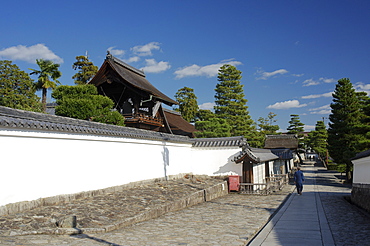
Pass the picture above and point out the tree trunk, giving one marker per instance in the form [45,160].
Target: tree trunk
[44,92]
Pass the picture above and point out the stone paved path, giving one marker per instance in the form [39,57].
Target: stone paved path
[230,220]
[321,216]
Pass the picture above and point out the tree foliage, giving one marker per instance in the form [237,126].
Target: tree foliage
[317,139]
[231,104]
[83,102]
[212,128]
[188,104]
[17,89]
[344,133]
[48,76]
[87,70]
[296,126]
[266,124]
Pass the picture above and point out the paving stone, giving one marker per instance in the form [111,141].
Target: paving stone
[230,220]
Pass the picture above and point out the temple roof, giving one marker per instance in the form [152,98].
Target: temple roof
[178,124]
[289,141]
[128,74]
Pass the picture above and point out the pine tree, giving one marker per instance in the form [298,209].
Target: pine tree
[345,124]
[212,128]
[266,124]
[231,104]
[317,139]
[17,89]
[188,104]
[87,70]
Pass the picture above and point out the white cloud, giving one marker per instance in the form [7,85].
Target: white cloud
[30,54]
[326,80]
[152,66]
[321,110]
[309,128]
[266,75]
[116,52]
[146,50]
[287,105]
[359,86]
[207,105]
[328,94]
[208,70]
[132,59]
[309,82]
[298,75]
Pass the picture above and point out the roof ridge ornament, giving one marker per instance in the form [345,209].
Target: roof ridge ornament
[109,55]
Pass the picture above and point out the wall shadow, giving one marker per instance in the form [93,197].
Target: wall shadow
[98,240]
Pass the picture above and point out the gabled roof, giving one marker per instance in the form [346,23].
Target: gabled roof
[289,141]
[255,155]
[283,154]
[130,75]
[20,119]
[177,124]
[239,141]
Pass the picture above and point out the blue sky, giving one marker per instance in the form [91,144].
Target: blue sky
[290,53]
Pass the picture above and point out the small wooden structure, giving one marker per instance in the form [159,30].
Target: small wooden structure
[137,99]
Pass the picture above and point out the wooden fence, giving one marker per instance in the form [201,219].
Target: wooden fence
[274,183]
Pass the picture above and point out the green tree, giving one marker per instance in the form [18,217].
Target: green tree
[212,128]
[87,70]
[364,128]
[231,104]
[317,139]
[83,102]
[188,105]
[17,89]
[296,126]
[344,133]
[266,124]
[204,114]
[48,76]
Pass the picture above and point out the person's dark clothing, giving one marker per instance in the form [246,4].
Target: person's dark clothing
[298,179]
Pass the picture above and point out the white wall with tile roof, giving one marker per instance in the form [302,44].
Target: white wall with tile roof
[36,163]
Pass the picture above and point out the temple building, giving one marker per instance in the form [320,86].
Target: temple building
[137,99]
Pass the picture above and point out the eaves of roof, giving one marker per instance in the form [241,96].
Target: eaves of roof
[255,155]
[20,119]
[362,154]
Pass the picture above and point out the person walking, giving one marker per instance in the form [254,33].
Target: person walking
[298,180]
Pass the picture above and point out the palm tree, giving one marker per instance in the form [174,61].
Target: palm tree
[48,77]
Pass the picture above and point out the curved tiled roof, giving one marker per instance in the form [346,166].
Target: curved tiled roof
[220,142]
[20,119]
[255,155]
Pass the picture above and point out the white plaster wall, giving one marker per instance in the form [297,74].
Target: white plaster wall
[259,173]
[42,164]
[361,170]
[37,164]
[215,161]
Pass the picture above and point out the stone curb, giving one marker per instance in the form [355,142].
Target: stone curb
[272,215]
[200,196]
